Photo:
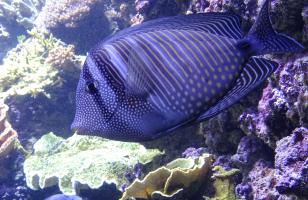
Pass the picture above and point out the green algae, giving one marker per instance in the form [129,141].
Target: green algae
[82,160]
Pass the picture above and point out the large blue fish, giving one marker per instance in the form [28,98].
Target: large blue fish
[148,80]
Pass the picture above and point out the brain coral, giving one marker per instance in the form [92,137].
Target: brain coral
[82,160]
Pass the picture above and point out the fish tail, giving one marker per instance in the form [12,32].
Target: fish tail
[263,39]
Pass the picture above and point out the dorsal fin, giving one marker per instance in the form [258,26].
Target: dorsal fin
[253,74]
[224,24]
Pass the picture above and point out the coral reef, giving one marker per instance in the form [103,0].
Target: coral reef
[221,133]
[283,100]
[89,20]
[251,149]
[37,80]
[291,163]
[224,183]
[8,136]
[24,12]
[262,180]
[151,9]
[170,180]
[81,161]
[287,18]
[28,69]
[193,152]
[289,175]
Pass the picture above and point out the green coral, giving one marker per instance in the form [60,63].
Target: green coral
[223,184]
[82,160]
[25,70]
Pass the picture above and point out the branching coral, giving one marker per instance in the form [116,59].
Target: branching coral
[29,67]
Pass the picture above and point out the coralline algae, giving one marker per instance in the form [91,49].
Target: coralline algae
[291,163]
[283,100]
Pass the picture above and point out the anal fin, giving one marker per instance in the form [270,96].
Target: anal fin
[254,73]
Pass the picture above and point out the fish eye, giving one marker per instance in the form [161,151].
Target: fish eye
[91,87]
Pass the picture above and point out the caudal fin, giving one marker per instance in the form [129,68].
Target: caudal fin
[263,39]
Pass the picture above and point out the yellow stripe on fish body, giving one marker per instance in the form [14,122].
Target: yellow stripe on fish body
[150,79]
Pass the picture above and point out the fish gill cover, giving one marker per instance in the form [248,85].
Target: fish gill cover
[264,133]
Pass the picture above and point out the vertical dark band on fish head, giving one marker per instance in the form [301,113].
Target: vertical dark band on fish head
[97,98]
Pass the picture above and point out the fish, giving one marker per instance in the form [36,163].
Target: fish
[63,197]
[149,80]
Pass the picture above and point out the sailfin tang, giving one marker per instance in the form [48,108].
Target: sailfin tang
[136,78]
[253,74]
[263,39]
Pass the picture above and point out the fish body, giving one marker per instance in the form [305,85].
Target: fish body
[63,197]
[148,80]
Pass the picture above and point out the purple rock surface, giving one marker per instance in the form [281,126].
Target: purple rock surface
[250,149]
[283,105]
[193,152]
[291,163]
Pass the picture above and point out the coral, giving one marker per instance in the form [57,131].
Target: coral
[223,183]
[24,12]
[286,17]
[151,9]
[3,33]
[170,180]
[290,175]
[193,152]
[82,161]
[85,19]
[8,136]
[251,149]
[68,13]
[131,175]
[198,6]
[29,67]
[262,180]
[221,133]
[244,191]
[5,41]
[291,163]
[283,100]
